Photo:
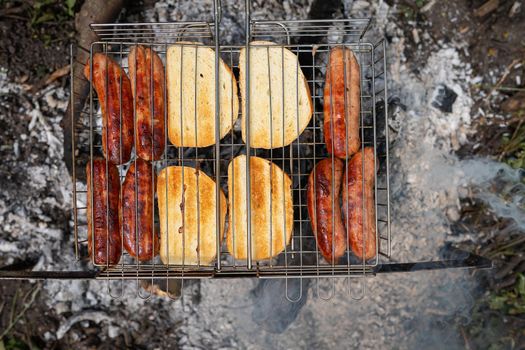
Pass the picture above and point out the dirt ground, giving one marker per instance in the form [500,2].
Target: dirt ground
[35,44]
[35,38]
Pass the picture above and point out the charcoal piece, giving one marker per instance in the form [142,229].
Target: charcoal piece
[444,98]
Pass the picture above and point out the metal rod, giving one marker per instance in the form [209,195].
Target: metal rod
[458,259]
[248,127]
[73,153]
[387,147]
[217,18]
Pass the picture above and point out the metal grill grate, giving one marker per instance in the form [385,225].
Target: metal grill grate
[301,258]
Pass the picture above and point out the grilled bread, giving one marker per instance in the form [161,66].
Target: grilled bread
[187,213]
[280,102]
[271,208]
[191,77]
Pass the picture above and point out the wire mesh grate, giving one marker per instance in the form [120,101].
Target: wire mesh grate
[311,42]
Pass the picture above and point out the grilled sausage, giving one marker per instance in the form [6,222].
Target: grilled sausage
[103,191]
[138,192]
[341,113]
[359,216]
[325,211]
[116,100]
[144,64]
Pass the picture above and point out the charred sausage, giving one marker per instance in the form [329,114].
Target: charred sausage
[103,191]
[146,72]
[138,192]
[323,194]
[341,111]
[116,101]
[359,204]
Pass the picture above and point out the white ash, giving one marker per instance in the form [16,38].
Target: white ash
[232,23]
[28,219]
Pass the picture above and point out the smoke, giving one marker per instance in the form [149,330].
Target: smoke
[500,187]
[273,309]
[497,185]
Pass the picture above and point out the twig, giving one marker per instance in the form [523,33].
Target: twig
[34,293]
[502,79]
[13,307]
[15,17]
[428,6]
[13,10]
[486,8]
[48,79]
[509,88]
[507,246]
[465,339]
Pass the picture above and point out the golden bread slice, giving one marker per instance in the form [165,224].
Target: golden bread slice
[280,102]
[271,208]
[187,214]
[190,69]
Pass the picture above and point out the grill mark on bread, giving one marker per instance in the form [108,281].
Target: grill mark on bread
[180,206]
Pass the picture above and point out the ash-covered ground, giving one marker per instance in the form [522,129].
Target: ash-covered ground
[413,310]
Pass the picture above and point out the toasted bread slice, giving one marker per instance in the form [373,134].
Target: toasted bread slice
[187,214]
[271,208]
[271,100]
[191,89]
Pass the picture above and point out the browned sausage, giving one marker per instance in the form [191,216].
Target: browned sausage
[342,112]
[140,239]
[359,217]
[325,212]
[113,95]
[149,101]
[103,184]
